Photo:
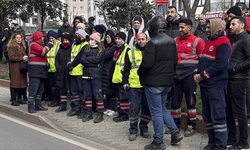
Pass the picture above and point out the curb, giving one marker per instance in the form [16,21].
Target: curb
[43,121]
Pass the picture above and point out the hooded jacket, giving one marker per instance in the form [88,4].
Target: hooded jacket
[160,56]
[213,62]
[38,66]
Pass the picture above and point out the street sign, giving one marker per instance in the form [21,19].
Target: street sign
[161,2]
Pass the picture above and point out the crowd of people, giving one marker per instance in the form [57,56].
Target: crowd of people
[142,74]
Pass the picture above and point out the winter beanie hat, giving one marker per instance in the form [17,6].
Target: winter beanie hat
[67,37]
[100,28]
[121,35]
[81,25]
[96,36]
[235,10]
[52,34]
[137,18]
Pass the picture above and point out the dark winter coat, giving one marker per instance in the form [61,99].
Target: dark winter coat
[106,69]
[172,29]
[65,29]
[91,61]
[62,74]
[201,32]
[160,56]
[239,63]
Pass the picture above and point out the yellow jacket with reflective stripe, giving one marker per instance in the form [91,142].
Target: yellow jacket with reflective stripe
[117,75]
[135,58]
[77,70]
[51,56]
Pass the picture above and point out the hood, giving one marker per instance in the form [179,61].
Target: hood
[217,26]
[156,25]
[37,37]
[131,42]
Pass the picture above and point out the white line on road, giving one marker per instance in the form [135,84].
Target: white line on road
[49,133]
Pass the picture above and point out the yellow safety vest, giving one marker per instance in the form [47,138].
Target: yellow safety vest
[135,58]
[77,70]
[51,56]
[117,75]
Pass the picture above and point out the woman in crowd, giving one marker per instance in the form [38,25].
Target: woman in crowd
[17,55]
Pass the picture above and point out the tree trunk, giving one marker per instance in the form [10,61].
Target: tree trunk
[206,7]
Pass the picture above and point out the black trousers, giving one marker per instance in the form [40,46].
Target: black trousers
[236,109]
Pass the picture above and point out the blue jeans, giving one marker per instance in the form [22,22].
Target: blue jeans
[156,97]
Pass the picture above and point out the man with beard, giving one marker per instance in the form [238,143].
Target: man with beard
[201,28]
[239,65]
[213,76]
[189,48]
[173,19]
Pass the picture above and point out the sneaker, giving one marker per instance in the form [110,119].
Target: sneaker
[176,138]
[155,146]
[120,118]
[145,135]
[132,137]
[87,117]
[208,147]
[72,113]
[98,118]
[189,132]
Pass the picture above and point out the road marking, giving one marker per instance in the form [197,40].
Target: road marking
[49,133]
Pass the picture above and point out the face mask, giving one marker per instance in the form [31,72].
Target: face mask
[65,45]
[92,43]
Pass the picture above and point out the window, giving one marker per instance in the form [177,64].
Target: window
[81,0]
[74,0]
[201,3]
[81,8]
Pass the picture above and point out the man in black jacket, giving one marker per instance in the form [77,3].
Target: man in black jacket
[239,65]
[157,76]
[173,20]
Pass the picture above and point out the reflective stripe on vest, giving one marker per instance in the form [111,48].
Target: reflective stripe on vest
[77,70]
[117,75]
[51,56]
[135,58]
[193,55]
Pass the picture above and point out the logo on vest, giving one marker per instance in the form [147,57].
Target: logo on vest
[211,48]
[189,44]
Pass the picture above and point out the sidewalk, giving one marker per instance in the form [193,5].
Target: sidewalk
[107,132]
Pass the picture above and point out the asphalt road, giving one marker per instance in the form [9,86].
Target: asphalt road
[15,134]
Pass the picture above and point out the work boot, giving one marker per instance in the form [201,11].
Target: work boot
[14,103]
[20,101]
[189,132]
[39,106]
[53,104]
[87,117]
[176,138]
[98,117]
[72,113]
[208,147]
[155,146]
[31,106]
[121,118]
[132,137]
[62,107]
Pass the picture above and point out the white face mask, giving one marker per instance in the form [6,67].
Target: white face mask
[92,43]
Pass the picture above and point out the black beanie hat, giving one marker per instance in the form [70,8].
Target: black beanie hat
[67,37]
[121,35]
[234,10]
[100,28]
[53,34]
[137,18]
